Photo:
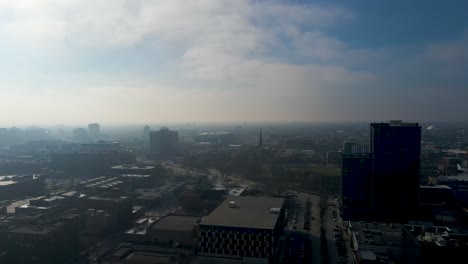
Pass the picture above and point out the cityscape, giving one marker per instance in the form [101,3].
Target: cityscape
[387,192]
[233,132]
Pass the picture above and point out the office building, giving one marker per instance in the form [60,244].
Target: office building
[395,151]
[242,229]
[94,131]
[164,143]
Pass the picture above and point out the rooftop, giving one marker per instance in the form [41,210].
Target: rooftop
[378,234]
[249,212]
[435,187]
[132,167]
[176,223]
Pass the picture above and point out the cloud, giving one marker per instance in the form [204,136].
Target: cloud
[454,51]
[236,60]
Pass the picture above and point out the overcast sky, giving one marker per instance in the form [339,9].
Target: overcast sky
[142,61]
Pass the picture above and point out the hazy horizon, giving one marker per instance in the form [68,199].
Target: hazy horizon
[137,62]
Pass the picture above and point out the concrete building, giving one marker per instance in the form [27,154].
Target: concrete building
[164,143]
[94,131]
[242,230]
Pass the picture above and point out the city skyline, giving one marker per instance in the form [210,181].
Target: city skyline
[139,62]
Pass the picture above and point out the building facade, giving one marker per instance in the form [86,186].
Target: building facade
[94,131]
[164,143]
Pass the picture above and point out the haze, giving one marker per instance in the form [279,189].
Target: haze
[134,62]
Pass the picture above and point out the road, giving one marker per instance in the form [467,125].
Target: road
[313,233]
[338,250]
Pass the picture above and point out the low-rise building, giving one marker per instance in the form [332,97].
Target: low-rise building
[242,229]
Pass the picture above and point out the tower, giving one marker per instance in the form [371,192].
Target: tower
[260,139]
[94,131]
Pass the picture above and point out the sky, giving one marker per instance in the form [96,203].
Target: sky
[144,61]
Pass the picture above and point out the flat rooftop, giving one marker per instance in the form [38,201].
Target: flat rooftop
[378,234]
[249,212]
[176,223]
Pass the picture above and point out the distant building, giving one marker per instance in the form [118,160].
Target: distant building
[217,137]
[100,147]
[242,229]
[146,136]
[94,131]
[396,148]
[146,132]
[80,134]
[164,143]
[86,164]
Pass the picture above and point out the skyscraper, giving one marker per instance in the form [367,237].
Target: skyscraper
[94,131]
[164,143]
[383,185]
[146,132]
[395,148]
[146,137]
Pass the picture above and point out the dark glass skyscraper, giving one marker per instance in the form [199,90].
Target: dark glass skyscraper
[383,185]
[395,151]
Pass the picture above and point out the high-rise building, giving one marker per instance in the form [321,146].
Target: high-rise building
[395,148]
[80,134]
[356,175]
[164,143]
[385,183]
[94,131]
[146,132]
[352,147]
